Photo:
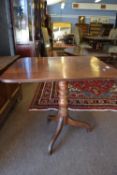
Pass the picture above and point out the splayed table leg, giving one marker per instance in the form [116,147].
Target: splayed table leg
[63,116]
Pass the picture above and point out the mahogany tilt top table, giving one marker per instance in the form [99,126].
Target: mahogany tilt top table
[59,69]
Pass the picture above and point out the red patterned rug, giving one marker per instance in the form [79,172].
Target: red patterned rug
[83,95]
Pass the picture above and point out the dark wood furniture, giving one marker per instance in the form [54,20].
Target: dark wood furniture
[59,69]
[26,49]
[97,42]
[9,93]
[6,61]
[95,29]
[61,46]
[84,28]
[99,38]
[106,29]
[78,51]
[58,48]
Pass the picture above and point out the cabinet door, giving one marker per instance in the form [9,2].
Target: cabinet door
[8,95]
[11,89]
[3,95]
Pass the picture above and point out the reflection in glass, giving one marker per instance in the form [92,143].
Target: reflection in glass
[60,29]
[23,20]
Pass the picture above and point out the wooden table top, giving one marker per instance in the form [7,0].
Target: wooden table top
[57,68]
[77,51]
[5,61]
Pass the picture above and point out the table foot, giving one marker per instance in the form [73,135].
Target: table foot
[63,117]
[55,136]
[80,124]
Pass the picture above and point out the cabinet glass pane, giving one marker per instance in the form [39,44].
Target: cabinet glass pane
[23,21]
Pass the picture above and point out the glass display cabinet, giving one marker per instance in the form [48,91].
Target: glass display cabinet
[23,21]
[28,17]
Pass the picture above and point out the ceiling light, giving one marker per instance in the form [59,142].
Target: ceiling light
[62,5]
[97,1]
[52,2]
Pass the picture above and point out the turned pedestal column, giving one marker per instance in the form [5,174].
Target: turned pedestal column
[63,117]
